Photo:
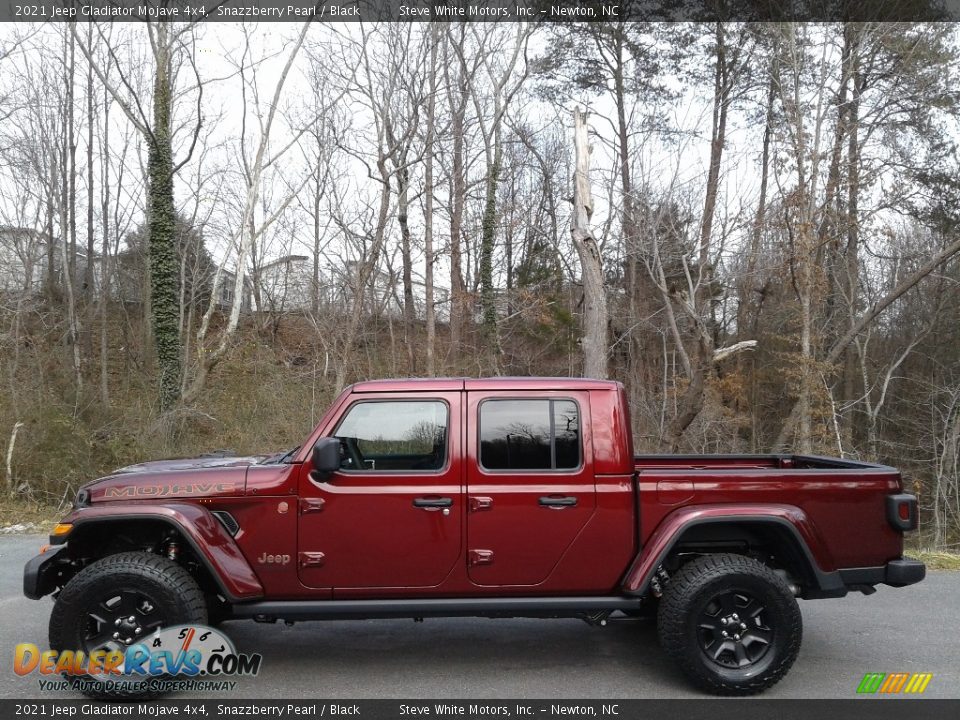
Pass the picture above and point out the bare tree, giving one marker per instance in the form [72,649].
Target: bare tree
[594,300]
[428,242]
[247,231]
[503,86]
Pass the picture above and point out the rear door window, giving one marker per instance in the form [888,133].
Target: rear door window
[529,434]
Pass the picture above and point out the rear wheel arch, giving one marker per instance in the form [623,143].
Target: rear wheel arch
[773,540]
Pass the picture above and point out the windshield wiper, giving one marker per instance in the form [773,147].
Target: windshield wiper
[288,455]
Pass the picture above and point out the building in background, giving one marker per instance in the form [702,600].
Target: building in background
[285,285]
[25,259]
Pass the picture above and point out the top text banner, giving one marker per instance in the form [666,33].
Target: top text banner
[478,10]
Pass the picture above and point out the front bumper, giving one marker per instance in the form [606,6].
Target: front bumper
[43,573]
[896,573]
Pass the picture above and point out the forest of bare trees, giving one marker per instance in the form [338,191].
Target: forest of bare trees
[207,230]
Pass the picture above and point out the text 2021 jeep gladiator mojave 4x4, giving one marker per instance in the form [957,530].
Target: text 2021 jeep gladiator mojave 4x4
[499,497]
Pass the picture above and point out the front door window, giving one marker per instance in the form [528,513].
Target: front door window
[378,436]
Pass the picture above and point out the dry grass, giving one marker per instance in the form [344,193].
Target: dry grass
[936,560]
[27,517]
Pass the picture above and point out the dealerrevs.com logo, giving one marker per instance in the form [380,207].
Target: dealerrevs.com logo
[894,683]
[182,657]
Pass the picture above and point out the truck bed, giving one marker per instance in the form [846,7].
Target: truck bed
[840,499]
[749,462]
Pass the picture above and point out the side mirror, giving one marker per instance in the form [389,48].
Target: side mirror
[325,458]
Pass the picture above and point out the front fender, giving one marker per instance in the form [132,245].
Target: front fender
[210,541]
[789,518]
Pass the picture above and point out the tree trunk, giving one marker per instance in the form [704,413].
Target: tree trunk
[50,281]
[161,217]
[721,101]
[595,319]
[70,166]
[430,311]
[88,289]
[458,201]
[255,286]
[800,226]
[105,264]
[403,208]
[488,297]
[746,288]
[366,270]
[315,294]
[852,289]
[628,222]
[68,222]
[805,281]
[701,358]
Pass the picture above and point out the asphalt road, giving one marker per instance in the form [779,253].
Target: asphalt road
[906,630]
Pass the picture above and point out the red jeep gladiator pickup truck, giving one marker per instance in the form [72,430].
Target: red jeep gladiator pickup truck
[500,497]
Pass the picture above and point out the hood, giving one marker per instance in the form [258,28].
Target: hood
[207,461]
[211,476]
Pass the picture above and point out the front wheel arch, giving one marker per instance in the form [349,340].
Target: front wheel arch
[99,538]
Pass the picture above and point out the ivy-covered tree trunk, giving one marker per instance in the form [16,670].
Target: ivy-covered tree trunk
[162,253]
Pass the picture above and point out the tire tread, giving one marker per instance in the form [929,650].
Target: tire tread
[155,568]
[678,596]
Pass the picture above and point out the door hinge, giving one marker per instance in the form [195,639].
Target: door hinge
[311,559]
[309,505]
[480,557]
[480,503]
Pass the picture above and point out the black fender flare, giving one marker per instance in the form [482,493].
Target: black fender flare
[210,542]
[820,583]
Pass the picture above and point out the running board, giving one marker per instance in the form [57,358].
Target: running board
[440,607]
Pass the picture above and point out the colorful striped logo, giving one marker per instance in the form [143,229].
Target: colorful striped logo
[892,683]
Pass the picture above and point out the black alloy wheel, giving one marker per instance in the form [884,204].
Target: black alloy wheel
[731,623]
[734,630]
[118,600]
[120,619]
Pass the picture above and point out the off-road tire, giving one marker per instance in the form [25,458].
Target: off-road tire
[687,611]
[174,593]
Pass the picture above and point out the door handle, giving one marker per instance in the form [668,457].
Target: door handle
[309,505]
[312,559]
[432,503]
[478,503]
[558,502]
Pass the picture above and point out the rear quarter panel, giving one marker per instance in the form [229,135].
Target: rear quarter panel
[845,508]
